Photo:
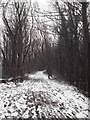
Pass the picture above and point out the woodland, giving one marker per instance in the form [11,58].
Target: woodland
[56,40]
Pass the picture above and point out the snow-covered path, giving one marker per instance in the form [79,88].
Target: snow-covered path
[40,97]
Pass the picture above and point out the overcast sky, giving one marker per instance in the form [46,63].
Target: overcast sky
[43,4]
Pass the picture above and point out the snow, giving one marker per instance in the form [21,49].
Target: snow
[40,97]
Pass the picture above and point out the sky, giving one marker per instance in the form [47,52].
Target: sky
[43,4]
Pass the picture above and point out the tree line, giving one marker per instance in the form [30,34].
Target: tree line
[27,40]
[72,52]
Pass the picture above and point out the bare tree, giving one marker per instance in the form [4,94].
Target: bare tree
[16,37]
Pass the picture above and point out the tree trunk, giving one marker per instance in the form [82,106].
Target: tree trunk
[86,43]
